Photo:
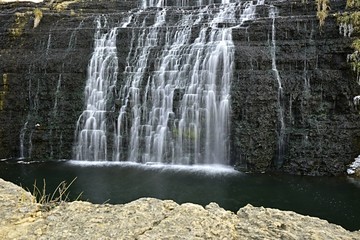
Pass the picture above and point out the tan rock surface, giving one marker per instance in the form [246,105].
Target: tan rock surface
[10,1]
[148,218]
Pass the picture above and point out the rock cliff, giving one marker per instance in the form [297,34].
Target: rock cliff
[148,218]
[312,129]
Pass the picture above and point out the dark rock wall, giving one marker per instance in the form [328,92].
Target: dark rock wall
[43,73]
[45,69]
[321,121]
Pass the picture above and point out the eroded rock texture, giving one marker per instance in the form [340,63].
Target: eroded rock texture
[149,218]
[43,74]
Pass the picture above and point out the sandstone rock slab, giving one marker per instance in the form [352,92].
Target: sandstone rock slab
[149,218]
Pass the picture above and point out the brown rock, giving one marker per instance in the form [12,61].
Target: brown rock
[149,218]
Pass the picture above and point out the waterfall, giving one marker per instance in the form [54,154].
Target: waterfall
[22,140]
[55,111]
[280,107]
[174,99]
[91,143]
[26,132]
[38,128]
[186,3]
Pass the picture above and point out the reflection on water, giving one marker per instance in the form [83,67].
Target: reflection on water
[205,169]
[334,199]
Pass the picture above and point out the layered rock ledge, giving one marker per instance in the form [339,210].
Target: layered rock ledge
[148,218]
[43,71]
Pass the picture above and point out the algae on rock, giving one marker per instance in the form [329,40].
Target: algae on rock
[21,19]
[349,26]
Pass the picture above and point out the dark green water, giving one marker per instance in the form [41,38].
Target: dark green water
[334,199]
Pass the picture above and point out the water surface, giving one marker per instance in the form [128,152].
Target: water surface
[330,198]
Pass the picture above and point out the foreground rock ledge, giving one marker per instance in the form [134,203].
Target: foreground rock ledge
[148,218]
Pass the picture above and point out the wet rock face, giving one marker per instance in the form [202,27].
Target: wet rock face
[43,72]
[319,117]
[321,122]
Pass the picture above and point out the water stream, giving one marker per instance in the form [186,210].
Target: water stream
[174,101]
[280,96]
[102,74]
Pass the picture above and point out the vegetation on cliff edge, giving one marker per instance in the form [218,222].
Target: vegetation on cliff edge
[349,26]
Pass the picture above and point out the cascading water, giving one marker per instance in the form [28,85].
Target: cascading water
[55,110]
[26,132]
[102,74]
[281,120]
[34,124]
[174,100]
[186,3]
